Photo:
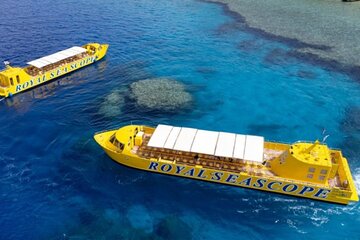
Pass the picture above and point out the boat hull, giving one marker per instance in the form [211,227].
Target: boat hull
[126,146]
[198,172]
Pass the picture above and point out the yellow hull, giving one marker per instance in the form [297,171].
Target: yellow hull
[26,81]
[273,184]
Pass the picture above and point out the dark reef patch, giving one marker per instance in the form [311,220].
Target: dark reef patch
[305,74]
[351,127]
[248,45]
[206,70]
[264,128]
[278,56]
[174,228]
[86,217]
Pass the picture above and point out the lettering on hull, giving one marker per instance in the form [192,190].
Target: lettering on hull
[53,74]
[245,181]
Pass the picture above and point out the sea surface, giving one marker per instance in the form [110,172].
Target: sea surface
[57,183]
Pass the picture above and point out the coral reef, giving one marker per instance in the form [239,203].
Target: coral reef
[112,104]
[160,94]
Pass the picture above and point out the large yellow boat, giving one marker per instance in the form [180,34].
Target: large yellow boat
[303,169]
[15,79]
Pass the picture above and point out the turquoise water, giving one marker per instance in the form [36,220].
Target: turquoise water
[56,183]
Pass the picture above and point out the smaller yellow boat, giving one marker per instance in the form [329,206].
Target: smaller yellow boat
[303,169]
[15,79]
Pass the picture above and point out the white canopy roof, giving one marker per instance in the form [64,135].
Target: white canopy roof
[225,145]
[205,142]
[254,148]
[185,139]
[56,57]
[170,142]
[160,136]
[221,144]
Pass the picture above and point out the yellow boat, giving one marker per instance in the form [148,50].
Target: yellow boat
[303,169]
[15,79]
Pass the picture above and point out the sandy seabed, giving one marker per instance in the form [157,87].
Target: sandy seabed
[330,28]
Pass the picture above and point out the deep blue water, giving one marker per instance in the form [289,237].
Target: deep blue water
[56,183]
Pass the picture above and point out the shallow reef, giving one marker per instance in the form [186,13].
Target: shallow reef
[320,30]
[162,94]
[112,104]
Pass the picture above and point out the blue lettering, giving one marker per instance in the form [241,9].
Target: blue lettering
[18,88]
[200,175]
[232,178]
[153,166]
[305,190]
[292,186]
[73,66]
[179,169]
[166,167]
[322,193]
[31,82]
[65,69]
[58,72]
[216,176]
[259,183]
[270,185]
[246,181]
[52,74]
[190,172]
[25,85]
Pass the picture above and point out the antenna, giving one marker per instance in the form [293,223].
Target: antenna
[326,137]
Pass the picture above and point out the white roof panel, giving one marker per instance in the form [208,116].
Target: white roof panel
[170,142]
[205,142]
[225,145]
[39,63]
[239,147]
[160,135]
[185,139]
[254,149]
[56,57]
[221,144]
[78,49]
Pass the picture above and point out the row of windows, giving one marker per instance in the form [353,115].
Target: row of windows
[311,176]
[312,170]
[17,79]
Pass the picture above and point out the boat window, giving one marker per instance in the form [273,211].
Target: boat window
[323,171]
[310,175]
[11,82]
[321,178]
[17,79]
[116,143]
[312,169]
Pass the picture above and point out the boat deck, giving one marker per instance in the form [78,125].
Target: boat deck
[213,162]
[206,161]
[34,71]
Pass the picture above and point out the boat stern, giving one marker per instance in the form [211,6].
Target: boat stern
[4,92]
